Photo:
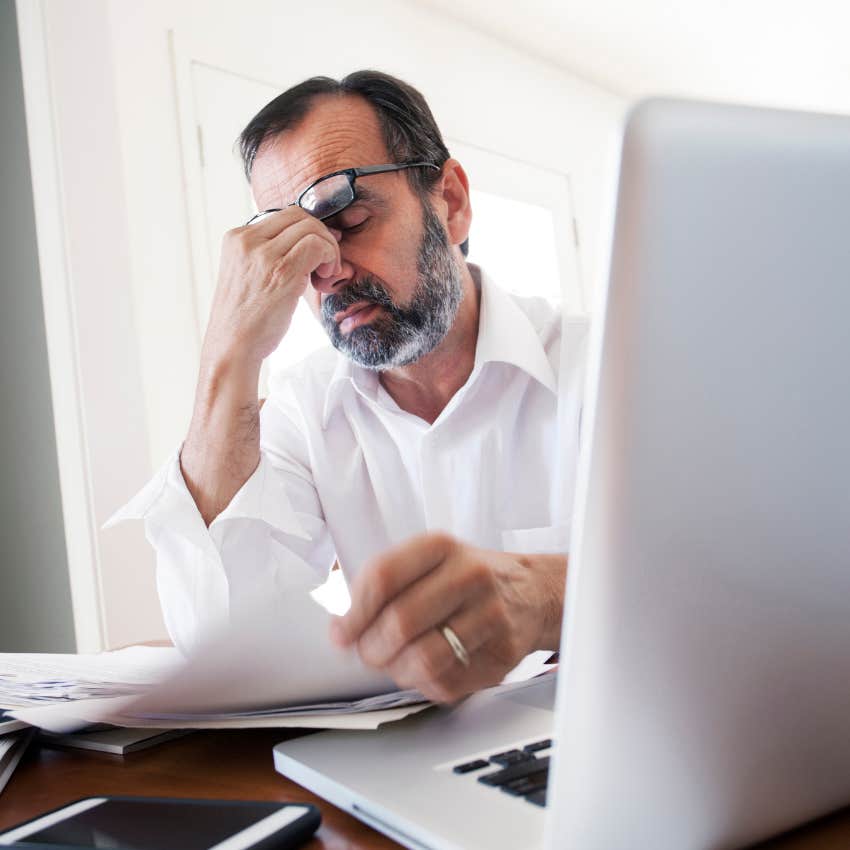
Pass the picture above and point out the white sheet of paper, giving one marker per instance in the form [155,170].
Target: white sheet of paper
[268,657]
[532,665]
[35,678]
[68,717]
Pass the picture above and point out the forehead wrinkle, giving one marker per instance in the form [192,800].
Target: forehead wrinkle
[269,184]
[336,134]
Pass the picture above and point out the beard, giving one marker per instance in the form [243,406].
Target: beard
[401,335]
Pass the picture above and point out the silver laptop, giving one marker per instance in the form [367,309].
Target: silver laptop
[703,698]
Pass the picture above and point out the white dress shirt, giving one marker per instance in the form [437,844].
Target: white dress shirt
[345,473]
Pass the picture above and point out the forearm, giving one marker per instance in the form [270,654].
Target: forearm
[222,448]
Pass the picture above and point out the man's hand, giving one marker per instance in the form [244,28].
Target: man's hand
[265,267]
[501,606]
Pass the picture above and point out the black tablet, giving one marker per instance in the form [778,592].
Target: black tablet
[151,823]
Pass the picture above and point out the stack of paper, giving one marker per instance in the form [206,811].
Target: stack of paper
[29,681]
[274,666]
[43,678]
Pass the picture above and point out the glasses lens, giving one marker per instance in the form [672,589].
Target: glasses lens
[327,197]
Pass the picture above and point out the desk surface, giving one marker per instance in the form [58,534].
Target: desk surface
[238,765]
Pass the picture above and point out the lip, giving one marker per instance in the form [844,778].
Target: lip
[356,307]
[357,314]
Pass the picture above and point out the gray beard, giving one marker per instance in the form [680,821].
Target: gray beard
[402,334]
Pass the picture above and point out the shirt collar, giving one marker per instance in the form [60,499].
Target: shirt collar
[505,335]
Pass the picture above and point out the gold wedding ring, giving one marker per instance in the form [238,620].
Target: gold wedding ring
[457,646]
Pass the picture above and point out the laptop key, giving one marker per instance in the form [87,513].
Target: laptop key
[537,797]
[515,771]
[469,766]
[509,757]
[527,785]
[538,745]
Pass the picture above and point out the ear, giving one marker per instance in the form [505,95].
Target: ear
[455,196]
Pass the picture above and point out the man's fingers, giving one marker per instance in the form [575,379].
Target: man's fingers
[430,664]
[387,576]
[422,605]
[270,225]
[279,233]
[312,251]
[426,603]
[403,602]
[308,244]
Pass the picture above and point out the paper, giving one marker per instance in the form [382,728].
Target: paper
[532,665]
[69,717]
[28,679]
[271,656]
[120,711]
[274,666]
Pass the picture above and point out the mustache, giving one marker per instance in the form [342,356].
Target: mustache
[368,289]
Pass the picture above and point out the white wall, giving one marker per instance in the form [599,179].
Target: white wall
[114,86]
[35,613]
[777,53]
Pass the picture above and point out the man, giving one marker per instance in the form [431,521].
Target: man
[422,456]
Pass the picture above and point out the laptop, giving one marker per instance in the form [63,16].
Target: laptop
[703,696]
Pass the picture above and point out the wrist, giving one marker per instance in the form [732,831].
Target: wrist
[231,363]
[550,579]
[227,380]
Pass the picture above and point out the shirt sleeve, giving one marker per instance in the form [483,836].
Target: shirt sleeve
[271,538]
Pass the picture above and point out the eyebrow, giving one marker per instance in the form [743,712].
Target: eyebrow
[363,193]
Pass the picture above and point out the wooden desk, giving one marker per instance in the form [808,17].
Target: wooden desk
[234,765]
[238,765]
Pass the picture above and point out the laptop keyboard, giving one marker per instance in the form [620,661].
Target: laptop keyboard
[522,772]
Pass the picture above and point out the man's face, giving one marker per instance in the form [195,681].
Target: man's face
[400,286]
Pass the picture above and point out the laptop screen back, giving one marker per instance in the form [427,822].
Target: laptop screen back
[703,699]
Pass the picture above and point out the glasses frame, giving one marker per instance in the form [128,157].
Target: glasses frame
[352,174]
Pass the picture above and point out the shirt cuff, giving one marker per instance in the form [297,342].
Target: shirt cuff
[263,496]
[166,500]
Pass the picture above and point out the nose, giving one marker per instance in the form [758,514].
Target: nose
[338,277]
[333,281]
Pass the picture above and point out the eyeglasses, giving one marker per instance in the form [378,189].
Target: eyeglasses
[334,192]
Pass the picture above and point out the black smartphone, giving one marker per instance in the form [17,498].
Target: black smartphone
[154,823]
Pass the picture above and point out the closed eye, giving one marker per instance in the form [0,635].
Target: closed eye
[355,228]
[351,220]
